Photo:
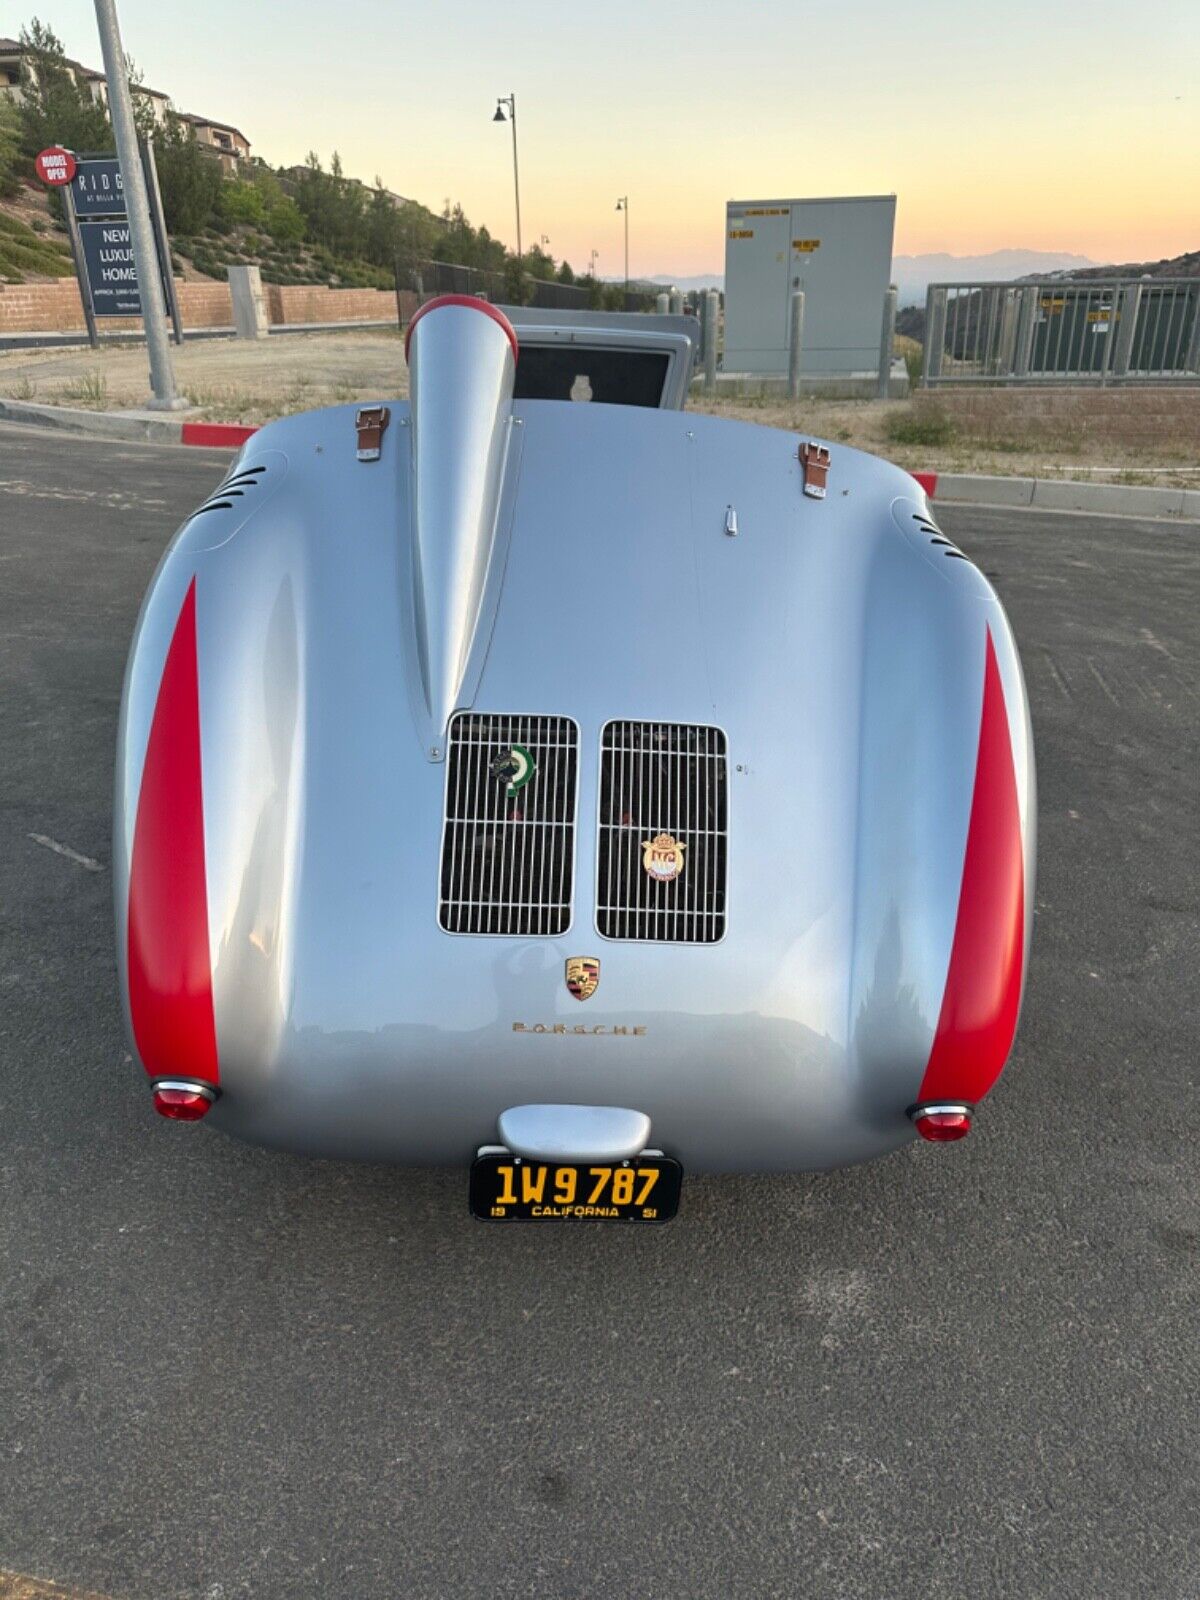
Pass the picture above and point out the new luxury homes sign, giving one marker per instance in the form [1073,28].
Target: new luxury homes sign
[111,273]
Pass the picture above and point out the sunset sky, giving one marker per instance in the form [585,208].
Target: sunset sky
[1070,127]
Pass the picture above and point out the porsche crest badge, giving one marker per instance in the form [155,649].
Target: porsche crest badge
[514,768]
[583,976]
[662,857]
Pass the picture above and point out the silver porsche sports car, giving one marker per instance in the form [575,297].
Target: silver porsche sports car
[586,794]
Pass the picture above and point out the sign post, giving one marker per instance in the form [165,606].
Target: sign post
[85,291]
[154,194]
[57,167]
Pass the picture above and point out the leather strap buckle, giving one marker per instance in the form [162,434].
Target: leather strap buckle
[371,423]
[814,458]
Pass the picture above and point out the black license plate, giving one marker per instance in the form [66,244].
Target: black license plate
[506,1189]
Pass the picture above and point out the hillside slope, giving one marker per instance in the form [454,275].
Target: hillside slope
[33,246]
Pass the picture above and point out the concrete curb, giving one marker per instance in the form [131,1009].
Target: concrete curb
[150,426]
[1061,494]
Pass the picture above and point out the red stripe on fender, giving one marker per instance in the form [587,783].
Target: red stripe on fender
[214,433]
[927,480]
[170,974]
[470,300]
[983,984]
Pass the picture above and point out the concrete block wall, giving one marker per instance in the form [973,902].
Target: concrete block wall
[56,307]
[314,302]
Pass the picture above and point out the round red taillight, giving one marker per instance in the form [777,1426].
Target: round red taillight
[942,1126]
[182,1102]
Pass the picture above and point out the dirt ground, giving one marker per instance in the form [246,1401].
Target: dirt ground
[1128,436]
[1140,435]
[227,380]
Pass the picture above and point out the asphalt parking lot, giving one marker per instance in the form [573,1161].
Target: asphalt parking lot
[968,1371]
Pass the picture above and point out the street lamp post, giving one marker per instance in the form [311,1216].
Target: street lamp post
[510,100]
[137,209]
[623,205]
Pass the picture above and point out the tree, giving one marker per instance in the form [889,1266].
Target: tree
[10,147]
[190,178]
[383,227]
[539,263]
[285,222]
[143,107]
[240,202]
[55,107]
[333,205]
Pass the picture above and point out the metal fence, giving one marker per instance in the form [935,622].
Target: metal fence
[1063,330]
[429,278]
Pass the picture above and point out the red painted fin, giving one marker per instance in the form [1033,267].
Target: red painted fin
[983,984]
[475,304]
[170,973]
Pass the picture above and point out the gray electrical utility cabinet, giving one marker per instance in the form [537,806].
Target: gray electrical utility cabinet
[838,251]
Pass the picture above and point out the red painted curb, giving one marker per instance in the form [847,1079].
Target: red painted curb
[928,482]
[215,433]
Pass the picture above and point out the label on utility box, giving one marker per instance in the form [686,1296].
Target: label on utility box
[807,245]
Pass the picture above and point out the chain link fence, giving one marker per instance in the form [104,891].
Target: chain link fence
[426,279]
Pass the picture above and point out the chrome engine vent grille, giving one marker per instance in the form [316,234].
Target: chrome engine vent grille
[662,778]
[508,848]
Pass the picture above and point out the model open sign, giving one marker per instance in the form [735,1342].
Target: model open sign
[55,166]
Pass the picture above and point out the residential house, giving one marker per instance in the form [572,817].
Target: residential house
[12,53]
[228,144]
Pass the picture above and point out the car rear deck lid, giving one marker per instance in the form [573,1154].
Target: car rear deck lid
[574,1133]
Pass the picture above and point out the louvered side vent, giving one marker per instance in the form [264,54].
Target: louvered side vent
[937,539]
[232,491]
[663,833]
[508,849]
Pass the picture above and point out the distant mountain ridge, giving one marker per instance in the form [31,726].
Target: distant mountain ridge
[705,280]
[1184,266]
[912,275]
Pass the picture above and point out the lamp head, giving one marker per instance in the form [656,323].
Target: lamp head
[499,117]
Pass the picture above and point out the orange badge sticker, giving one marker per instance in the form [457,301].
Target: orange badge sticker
[662,857]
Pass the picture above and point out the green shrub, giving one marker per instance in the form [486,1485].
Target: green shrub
[285,222]
[240,202]
[22,251]
[923,422]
